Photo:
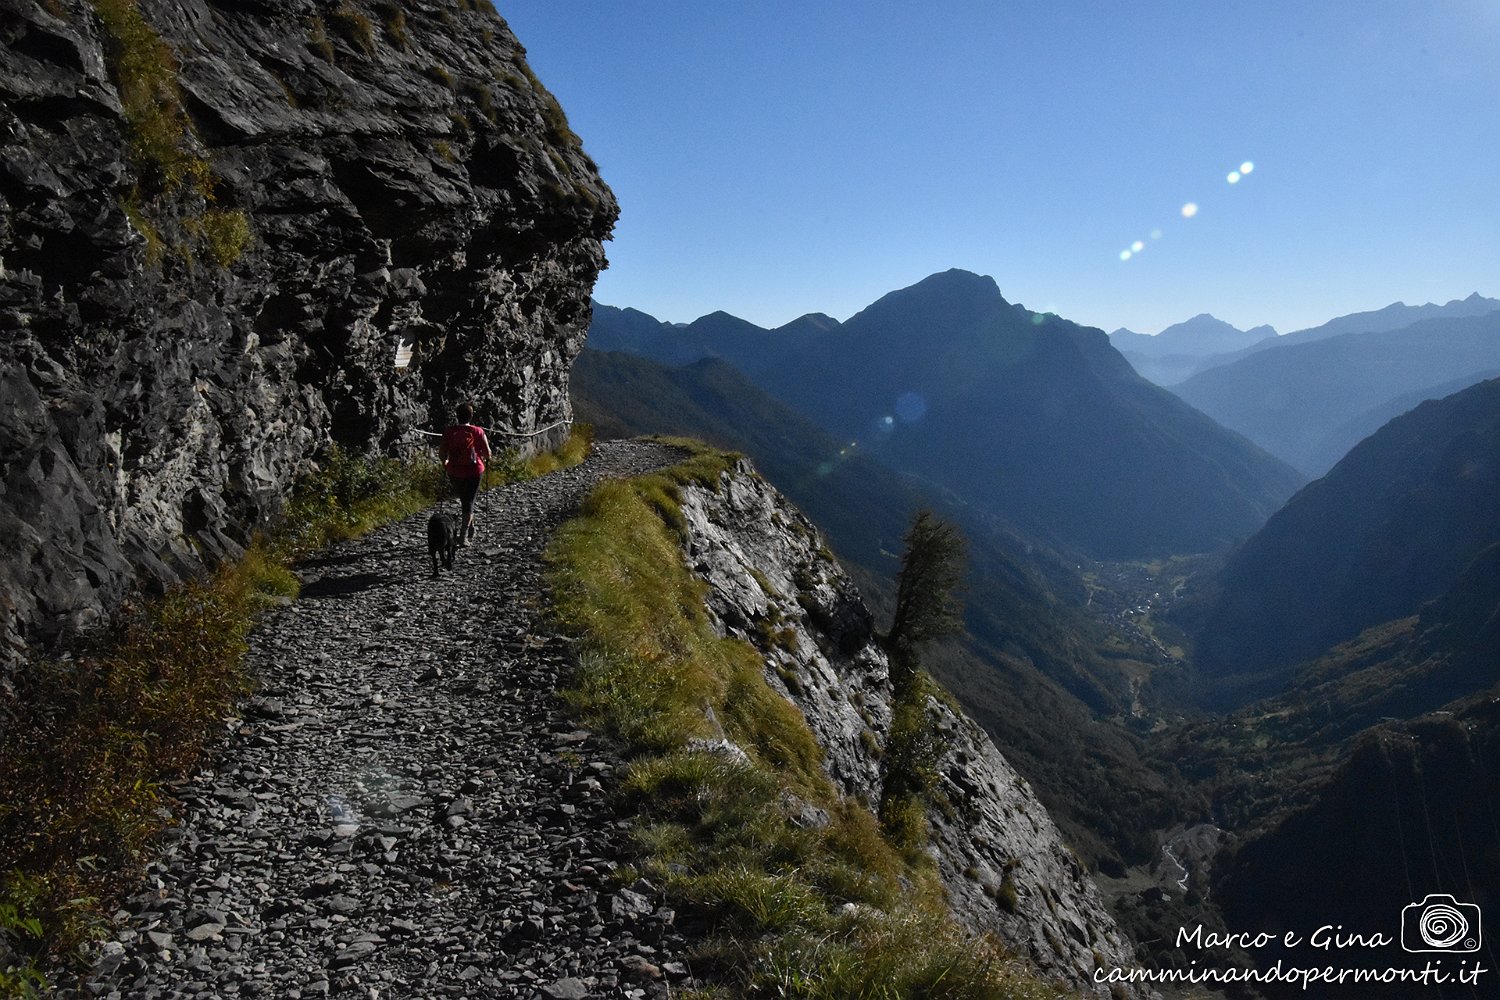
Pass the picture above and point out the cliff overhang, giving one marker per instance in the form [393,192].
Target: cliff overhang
[222,226]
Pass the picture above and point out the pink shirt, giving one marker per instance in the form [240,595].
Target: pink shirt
[464,450]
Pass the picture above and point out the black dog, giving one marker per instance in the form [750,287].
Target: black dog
[442,539]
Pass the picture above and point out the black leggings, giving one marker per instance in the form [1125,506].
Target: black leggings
[466,490]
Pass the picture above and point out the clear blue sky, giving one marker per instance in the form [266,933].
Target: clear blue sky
[778,158]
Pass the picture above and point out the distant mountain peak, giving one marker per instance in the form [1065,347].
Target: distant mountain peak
[1200,336]
[813,322]
[954,295]
[958,274]
[956,279]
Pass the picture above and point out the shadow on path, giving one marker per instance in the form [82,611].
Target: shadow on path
[340,586]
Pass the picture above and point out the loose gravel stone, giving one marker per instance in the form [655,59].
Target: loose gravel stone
[403,809]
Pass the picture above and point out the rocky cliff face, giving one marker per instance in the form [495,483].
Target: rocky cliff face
[1005,867]
[219,224]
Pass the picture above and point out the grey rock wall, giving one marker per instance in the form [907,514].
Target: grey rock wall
[395,172]
[1002,860]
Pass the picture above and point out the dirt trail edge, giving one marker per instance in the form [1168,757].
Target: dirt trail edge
[405,810]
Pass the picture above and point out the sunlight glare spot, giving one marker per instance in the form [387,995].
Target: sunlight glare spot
[1137,246]
[1189,210]
[1125,255]
[1246,167]
[1234,177]
[911,407]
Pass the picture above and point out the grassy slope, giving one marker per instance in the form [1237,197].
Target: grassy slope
[837,912]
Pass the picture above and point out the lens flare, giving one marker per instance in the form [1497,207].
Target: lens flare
[1156,234]
[1234,177]
[1125,254]
[1137,246]
[1246,167]
[1189,210]
[911,407]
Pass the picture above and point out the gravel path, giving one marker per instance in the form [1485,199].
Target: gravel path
[405,810]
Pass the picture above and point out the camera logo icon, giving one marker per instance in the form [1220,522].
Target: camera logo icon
[1440,923]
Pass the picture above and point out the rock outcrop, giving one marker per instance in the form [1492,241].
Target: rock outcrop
[772,582]
[220,226]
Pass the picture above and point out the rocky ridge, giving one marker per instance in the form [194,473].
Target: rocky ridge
[772,582]
[220,225]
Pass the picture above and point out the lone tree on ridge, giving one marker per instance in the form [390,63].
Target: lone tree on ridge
[927,602]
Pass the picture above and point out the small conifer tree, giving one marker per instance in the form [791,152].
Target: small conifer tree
[927,601]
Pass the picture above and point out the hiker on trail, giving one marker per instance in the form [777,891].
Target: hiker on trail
[463,452]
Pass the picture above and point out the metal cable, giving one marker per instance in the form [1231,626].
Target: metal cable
[505,432]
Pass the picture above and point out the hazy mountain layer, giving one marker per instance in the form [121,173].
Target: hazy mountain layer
[748,347]
[1395,316]
[1179,351]
[1200,336]
[1287,400]
[1391,526]
[1337,440]
[1030,417]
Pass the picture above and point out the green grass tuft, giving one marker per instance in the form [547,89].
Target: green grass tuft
[552,111]
[164,146]
[355,26]
[144,69]
[394,19]
[318,40]
[483,98]
[569,453]
[908,768]
[224,233]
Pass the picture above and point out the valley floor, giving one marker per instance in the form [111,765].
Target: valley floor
[404,809]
